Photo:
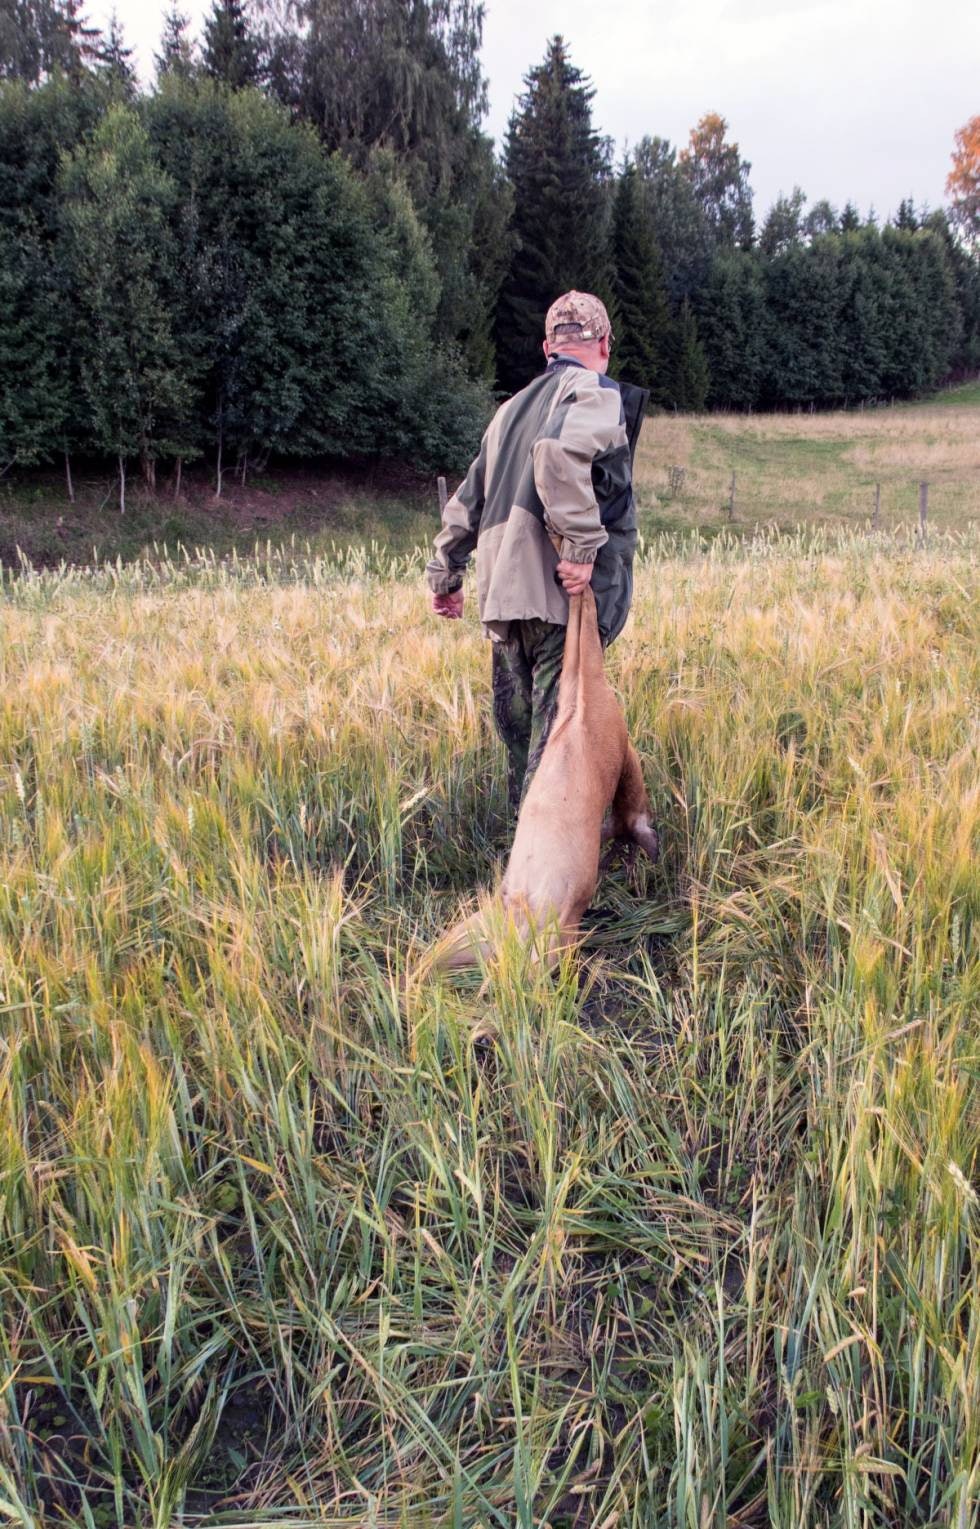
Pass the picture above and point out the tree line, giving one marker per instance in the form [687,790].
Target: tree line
[816,308]
[300,241]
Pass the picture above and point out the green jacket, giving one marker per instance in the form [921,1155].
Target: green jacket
[556,461]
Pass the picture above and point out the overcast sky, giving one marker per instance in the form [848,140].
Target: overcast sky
[851,99]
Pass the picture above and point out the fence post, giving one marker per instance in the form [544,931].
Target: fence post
[731,498]
[923,508]
[876,517]
[441,486]
[675,481]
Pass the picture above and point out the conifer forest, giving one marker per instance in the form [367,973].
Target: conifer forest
[299,241]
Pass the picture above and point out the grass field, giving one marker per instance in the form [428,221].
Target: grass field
[815,469]
[693,1240]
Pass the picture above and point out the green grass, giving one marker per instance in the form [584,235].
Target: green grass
[964,395]
[685,1235]
[817,470]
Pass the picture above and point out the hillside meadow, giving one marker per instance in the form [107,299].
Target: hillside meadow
[686,1234]
[815,469]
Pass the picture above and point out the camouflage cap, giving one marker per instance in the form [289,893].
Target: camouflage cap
[576,316]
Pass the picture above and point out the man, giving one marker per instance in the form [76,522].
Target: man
[555,465]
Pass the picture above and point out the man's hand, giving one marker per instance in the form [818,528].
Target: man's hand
[449,605]
[575,577]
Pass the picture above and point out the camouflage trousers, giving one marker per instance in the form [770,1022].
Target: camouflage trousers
[526,672]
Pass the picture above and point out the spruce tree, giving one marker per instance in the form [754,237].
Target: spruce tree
[113,62]
[559,169]
[467,218]
[677,221]
[733,327]
[906,216]
[803,300]
[689,376]
[863,316]
[20,41]
[72,44]
[965,269]
[643,319]
[784,223]
[40,36]
[176,55]
[821,219]
[231,49]
[935,296]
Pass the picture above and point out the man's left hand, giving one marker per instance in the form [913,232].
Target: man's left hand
[575,577]
[449,605]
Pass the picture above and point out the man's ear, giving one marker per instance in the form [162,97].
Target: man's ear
[547,350]
[604,347]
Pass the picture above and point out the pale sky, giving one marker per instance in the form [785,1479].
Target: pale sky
[851,99]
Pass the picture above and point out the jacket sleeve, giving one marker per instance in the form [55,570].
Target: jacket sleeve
[587,423]
[460,527]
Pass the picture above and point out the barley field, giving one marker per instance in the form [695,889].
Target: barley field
[684,1235]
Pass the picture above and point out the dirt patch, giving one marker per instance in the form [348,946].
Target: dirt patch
[37,521]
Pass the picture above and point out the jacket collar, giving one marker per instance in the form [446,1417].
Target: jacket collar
[562,360]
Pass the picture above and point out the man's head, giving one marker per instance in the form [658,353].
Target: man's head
[577,324]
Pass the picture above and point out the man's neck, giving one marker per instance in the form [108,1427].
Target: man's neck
[566,358]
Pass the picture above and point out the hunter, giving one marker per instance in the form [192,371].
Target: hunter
[554,468]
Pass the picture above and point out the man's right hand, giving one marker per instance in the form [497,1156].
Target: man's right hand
[575,577]
[449,605]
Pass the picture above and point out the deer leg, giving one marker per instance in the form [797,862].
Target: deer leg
[631,806]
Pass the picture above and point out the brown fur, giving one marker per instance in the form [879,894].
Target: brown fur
[588,766]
